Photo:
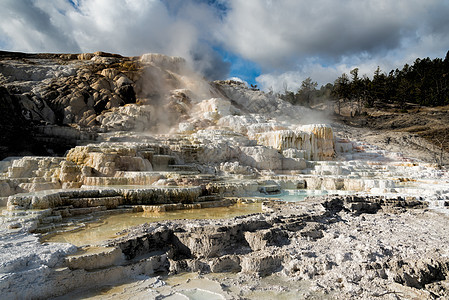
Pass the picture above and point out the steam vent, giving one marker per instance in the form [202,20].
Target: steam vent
[127,177]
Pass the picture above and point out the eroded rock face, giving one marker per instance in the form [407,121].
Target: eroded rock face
[107,160]
[102,92]
[311,142]
[16,137]
[77,90]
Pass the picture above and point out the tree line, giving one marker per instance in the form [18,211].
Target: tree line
[425,83]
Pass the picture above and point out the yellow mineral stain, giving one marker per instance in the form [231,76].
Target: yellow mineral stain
[107,227]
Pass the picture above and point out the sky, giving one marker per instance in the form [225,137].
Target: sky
[275,44]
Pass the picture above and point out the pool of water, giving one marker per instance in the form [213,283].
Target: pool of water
[296,195]
[191,286]
[199,294]
[107,227]
[221,286]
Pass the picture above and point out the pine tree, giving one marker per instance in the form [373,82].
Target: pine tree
[307,92]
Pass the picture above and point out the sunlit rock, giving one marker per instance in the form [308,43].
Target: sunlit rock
[316,141]
[214,108]
[247,124]
[107,160]
[129,117]
[261,157]
[103,257]
[293,163]
[186,127]
[236,168]
[324,139]
[172,63]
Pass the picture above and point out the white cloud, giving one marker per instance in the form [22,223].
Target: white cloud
[277,34]
[278,81]
[128,27]
[295,39]
[289,39]
[29,27]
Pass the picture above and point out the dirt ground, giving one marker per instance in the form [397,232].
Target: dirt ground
[420,132]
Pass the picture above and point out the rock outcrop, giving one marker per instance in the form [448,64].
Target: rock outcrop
[311,142]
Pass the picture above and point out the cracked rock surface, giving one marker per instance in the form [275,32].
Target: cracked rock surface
[337,251]
[337,247]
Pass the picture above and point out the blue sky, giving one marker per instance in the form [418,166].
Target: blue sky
[244,69]
[274,44]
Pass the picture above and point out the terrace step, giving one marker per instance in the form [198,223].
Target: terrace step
[161,162]
[51,219]
[138,178]
[86,210]
[188,168]
[213,197]
[269,189]
[109,202]
[181,206]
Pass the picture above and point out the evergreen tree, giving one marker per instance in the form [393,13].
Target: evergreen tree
[342,90]
[379,85]
[306,92]
[425,82]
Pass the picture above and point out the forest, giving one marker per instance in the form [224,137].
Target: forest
[425,83]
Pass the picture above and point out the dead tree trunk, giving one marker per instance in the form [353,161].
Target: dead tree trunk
[440,141]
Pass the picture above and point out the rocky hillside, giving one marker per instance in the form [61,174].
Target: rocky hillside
[420,131]
[51,102]
[48,99]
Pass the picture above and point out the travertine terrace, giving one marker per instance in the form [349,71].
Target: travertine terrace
[126,134]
